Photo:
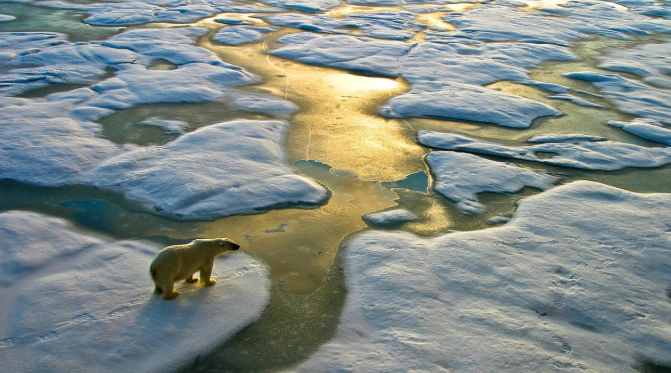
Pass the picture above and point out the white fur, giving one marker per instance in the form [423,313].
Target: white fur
[180,262]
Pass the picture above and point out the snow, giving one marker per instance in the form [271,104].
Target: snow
[564,137]
[6,18]
[576,100]
[461,176]
[238,35]
[631,96]
[558,288]
[169,126]
[390,217]
[649,129]
[595,156]
[236,167]
[347,52]
[74,302]
[466,102]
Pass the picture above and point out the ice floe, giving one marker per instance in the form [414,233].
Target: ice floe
[74,302]
[6,18]
[312,6]
[228,168]
[652,62]
[646,128]
[564,137]
[466,102]
[575,99]
[238,35]
[385,25]
[461,177]
[630,96]
[558,288]
[346,52]
[390,217]
[596,156]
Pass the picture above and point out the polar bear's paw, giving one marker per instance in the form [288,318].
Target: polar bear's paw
[172,295]
[210,282]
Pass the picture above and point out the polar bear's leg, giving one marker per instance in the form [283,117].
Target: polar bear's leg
[205,273]
[191,280]
[158,289]
[169,293]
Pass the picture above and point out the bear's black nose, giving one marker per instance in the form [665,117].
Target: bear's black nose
[236,246]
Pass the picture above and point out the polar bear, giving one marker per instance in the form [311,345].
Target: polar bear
[179,262]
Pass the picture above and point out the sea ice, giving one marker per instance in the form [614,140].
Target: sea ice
[466,102]
[558,288]
[6,18]
[238,35]
[646,128]
[596,156]
[228,168]
[652,62]
[630,96]
[390,217]
[461,177]
[74,302]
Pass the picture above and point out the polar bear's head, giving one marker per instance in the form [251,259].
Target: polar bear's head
[220,245]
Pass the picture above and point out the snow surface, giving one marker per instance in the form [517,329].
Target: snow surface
[646,128]
[461,176]
[595,156]
[312,6]
[390,217]
[74,302]
[558,288]
[238,35]
[236,167]
[6,18]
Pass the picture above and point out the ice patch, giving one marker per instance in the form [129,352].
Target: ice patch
[238,35]
[390,217]
[645,128]
[564,137]
[228,168]
[596,156]
[461,177]
[652,62]
[6,18]
[576,100]
[169,126]
[557,288]
[80,303]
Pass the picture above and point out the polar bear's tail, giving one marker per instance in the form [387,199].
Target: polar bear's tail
[152,271]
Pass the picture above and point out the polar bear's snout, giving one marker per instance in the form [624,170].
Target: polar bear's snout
[235,246]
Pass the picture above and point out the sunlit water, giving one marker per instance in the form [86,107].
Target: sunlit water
[369,163]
